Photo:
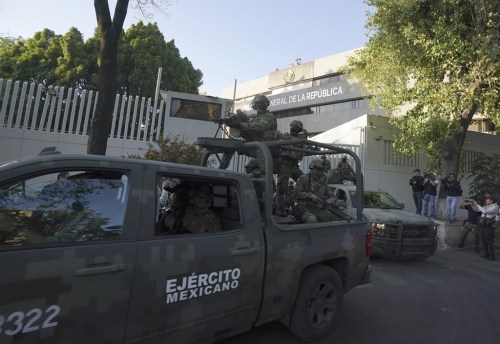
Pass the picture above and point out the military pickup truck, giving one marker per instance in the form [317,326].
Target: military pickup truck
[396,233]
[83,261]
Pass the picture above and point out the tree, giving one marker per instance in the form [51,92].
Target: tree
[485,176]
[109,31]
[72,62]
[173,149]
[438,60]
[142,51]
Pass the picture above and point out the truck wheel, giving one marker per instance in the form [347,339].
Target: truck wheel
[318,303]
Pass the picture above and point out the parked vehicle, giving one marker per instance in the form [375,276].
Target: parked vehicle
[396,233]
[85,262]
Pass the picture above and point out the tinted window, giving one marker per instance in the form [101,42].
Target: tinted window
[196,206]
[52,208]
[380,200]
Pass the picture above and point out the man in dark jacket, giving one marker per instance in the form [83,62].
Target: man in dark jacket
[453,192]
[471,224]
[417,187]
[430,192]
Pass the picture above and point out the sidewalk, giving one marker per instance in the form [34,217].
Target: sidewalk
[449,235]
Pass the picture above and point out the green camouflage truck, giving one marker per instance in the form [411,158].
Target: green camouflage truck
[83,261]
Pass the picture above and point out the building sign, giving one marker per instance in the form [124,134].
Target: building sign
[314,96]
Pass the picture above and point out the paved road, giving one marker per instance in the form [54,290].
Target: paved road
[452,297]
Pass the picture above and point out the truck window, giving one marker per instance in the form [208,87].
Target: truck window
[63,207]
[196,206]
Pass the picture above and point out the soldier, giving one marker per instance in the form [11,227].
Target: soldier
[252,168]
[289,166]
[310,191]
[196,217]
[326,163]
[346,170]
[261,127]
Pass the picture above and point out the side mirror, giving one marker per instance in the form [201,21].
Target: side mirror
[402,205]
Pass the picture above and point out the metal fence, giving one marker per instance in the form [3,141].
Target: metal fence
[35,107]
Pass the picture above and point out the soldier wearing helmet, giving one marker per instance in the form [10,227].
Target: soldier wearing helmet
[289,167]
[346,171]
[261,127]
[196,217]
[311,189]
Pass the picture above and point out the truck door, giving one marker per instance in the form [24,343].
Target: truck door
[67,247]
[193,285]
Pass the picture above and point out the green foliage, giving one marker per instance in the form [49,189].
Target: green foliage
[485,175]
[68,61]
[435,62]
[172,149]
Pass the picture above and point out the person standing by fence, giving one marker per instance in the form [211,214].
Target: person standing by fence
[417,187]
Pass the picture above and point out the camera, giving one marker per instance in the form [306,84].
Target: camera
[166,212]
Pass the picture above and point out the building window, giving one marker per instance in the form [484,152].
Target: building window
[392,158]
[469,157]
[192,109]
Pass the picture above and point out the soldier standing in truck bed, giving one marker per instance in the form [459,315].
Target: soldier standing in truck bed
[311,189]
[261,127]
[289,166]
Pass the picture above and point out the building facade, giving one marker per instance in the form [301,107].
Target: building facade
[337,110]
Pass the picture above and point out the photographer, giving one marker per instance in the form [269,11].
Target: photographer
[487,226]
[453,191]
[430,192]
[472,222]
[417,187]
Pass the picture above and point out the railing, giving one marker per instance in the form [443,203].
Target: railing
[38,108]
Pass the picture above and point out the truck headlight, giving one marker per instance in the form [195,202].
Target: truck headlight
[377,226]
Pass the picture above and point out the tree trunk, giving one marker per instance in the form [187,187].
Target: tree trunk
[450,157]
[109,32]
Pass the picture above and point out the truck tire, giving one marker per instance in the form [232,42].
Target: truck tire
[318,303]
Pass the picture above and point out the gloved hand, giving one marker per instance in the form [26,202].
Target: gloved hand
[233,122]
[313,197]
[331,200]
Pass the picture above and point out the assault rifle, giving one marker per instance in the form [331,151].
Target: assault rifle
[233,121]
[322,204]
[232,118]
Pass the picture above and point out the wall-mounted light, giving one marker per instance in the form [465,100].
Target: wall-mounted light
[372,126]
[378,138]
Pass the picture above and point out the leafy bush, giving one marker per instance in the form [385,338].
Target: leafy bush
[485,175]
[172,149]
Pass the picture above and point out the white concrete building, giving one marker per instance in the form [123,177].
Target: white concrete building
[336,110]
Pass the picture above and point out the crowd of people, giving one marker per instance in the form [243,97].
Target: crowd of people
[482,211]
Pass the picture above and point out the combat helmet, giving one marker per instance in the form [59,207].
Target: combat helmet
[316,164]
[260,102]
[252,163]
[296,124]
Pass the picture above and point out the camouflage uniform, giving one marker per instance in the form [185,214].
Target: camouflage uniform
[326,163]
[311,189]
[261,127]
[289,166]
[346,171]
[196,217]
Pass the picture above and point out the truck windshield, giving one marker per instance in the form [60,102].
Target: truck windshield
[374,199]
